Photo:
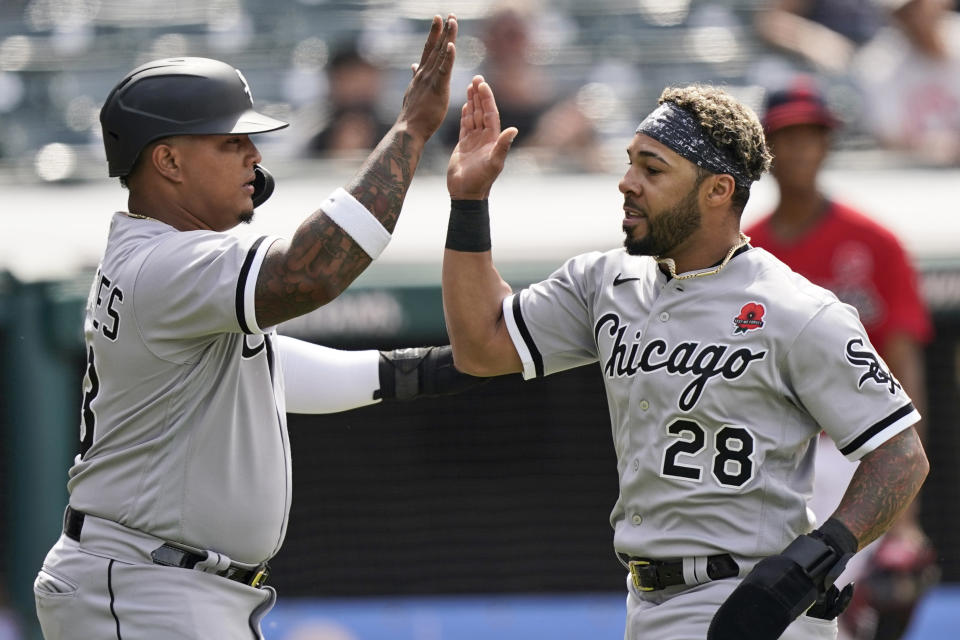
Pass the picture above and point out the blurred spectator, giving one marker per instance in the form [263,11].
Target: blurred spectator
[10,628]
[823,33]
[551,127]
[862,262]
[910,78]
[351,121]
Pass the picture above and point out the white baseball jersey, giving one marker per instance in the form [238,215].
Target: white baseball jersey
[716,386]
[183,407]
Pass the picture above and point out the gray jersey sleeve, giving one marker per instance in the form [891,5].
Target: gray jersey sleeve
[844,384]
[196,285]
[559,309]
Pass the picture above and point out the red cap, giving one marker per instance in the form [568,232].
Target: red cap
[801,103]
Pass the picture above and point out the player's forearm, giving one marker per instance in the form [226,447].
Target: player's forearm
[883,486]
[473,294]
[904,355]
[322,259]
[383,180]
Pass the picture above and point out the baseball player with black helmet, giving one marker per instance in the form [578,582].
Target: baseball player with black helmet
[721,366]
[181,493]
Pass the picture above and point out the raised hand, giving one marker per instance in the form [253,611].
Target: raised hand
[322,259]
[482,149]
[427,97]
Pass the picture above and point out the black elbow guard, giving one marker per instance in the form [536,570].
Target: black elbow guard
[782,587]
[406,374]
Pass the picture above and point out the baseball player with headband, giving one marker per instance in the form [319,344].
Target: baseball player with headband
[721,366]
[181,493]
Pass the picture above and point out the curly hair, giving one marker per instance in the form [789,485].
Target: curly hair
[732,127]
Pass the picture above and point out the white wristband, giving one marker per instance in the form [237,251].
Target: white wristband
[357,221]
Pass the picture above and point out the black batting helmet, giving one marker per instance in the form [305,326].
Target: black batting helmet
[176,96]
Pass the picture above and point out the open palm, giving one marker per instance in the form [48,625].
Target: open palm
[481,151]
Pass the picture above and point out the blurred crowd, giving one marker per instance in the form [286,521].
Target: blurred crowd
[571,77]
[902,57]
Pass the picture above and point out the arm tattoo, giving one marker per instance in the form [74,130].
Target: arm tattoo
[384,179]
[883,486]
[321,259]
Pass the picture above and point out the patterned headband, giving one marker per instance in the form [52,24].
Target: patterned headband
[678,130]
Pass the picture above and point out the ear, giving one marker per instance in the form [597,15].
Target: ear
[165,159]
[718,189]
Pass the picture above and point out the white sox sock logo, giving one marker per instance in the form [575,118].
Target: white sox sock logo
[868,359]
[246,87]
[686,358]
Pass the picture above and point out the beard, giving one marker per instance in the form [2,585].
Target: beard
[246,217]
[667,230]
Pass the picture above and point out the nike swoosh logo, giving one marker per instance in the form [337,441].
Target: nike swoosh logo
[248,351]
[617,281]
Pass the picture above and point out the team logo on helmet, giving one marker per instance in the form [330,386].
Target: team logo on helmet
[750,318]
[246,86]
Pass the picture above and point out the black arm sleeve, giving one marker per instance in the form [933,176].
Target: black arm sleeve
[406,374]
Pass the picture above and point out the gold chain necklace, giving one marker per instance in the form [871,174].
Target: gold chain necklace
[140,217]
[672,266]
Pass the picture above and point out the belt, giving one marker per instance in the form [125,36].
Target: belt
[652,575]
[170,554]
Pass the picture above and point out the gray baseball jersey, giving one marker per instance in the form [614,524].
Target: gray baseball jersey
[716,387]
[183,410]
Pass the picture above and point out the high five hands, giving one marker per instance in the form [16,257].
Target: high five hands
[427,97]
[482,149]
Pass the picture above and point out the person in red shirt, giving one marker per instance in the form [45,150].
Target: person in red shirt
[865,265]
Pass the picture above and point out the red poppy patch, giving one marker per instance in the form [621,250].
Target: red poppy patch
[750,318]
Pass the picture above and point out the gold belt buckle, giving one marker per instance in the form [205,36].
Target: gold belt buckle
[633,564]
[260,577]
